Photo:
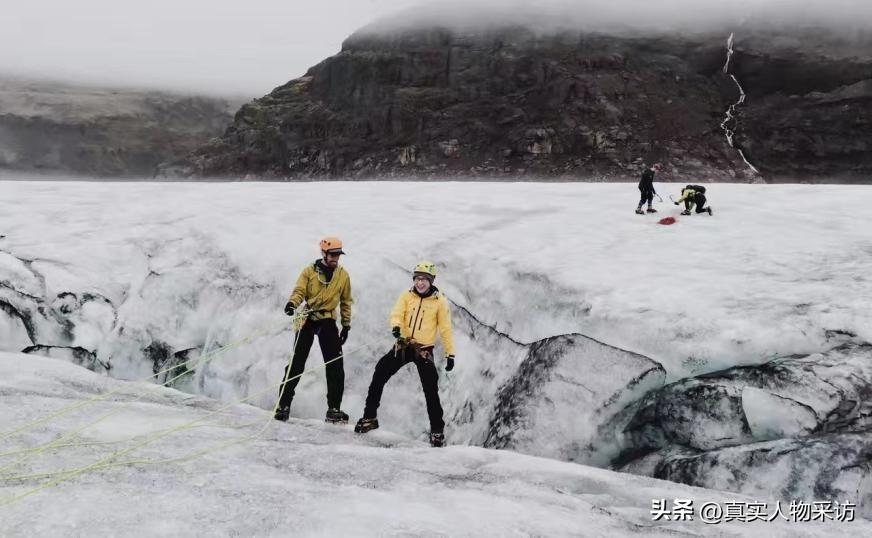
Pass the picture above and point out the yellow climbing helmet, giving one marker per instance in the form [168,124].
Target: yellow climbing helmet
[427,268]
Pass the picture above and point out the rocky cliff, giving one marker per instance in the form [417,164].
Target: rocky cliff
[63,129]
[511,101]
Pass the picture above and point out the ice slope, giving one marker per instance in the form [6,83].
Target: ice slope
[567,306]
[303,478]
[800,425]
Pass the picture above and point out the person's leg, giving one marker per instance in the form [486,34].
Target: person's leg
[303,344]
[385,368]
[328,340]
[688,203]
[650,200]
[643,196]
[700,203]
[430,383]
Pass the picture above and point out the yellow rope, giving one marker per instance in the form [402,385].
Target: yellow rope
[35,451]
[108,460]
[180,459]
[120,441]
[206,357]
[135,437]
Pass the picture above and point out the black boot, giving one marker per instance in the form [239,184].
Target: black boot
[437,440]
[639,211]
[282,413]
[651,210]
[366,424]
[335,416]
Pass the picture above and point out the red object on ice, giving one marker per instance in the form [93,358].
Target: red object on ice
[667,221]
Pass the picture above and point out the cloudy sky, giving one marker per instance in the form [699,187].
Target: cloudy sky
[248,47]
[219,46]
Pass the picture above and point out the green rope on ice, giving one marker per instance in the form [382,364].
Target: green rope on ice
[192,362]
[108,461]
[37,476]
[85,444]
[199,361]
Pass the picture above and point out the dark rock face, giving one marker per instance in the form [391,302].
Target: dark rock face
[809,107]
[513,102]
[50,128]
[795,427]
[500,103]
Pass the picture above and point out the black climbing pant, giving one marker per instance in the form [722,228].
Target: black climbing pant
[390,364]
[328,340]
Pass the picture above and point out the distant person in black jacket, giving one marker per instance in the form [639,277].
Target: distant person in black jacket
[646,187]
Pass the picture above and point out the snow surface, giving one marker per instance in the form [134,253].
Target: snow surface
[254,476]
[774,268]
[532,260]
[195,266]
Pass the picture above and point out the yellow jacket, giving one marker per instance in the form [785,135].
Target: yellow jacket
[685,194]
[323,297]
[420,317]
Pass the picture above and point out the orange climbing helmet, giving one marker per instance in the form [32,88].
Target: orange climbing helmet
[332,245]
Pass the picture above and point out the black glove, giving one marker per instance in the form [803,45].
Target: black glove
[289,308]
[676,203]
[396,332]
[450,363]
[343,335]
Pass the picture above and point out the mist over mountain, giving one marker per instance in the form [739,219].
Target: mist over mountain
[733,92]
[86,131]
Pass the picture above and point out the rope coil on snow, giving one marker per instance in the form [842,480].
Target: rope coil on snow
[199,361]
[108,460]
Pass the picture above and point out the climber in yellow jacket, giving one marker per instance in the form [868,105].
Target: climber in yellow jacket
[693,195]
[417,317]
[324,286]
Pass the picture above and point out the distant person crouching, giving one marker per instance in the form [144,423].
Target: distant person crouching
[693,195]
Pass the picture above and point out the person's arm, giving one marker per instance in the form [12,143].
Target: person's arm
[443,321]
[299,293]
[345,302]
[398,312]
